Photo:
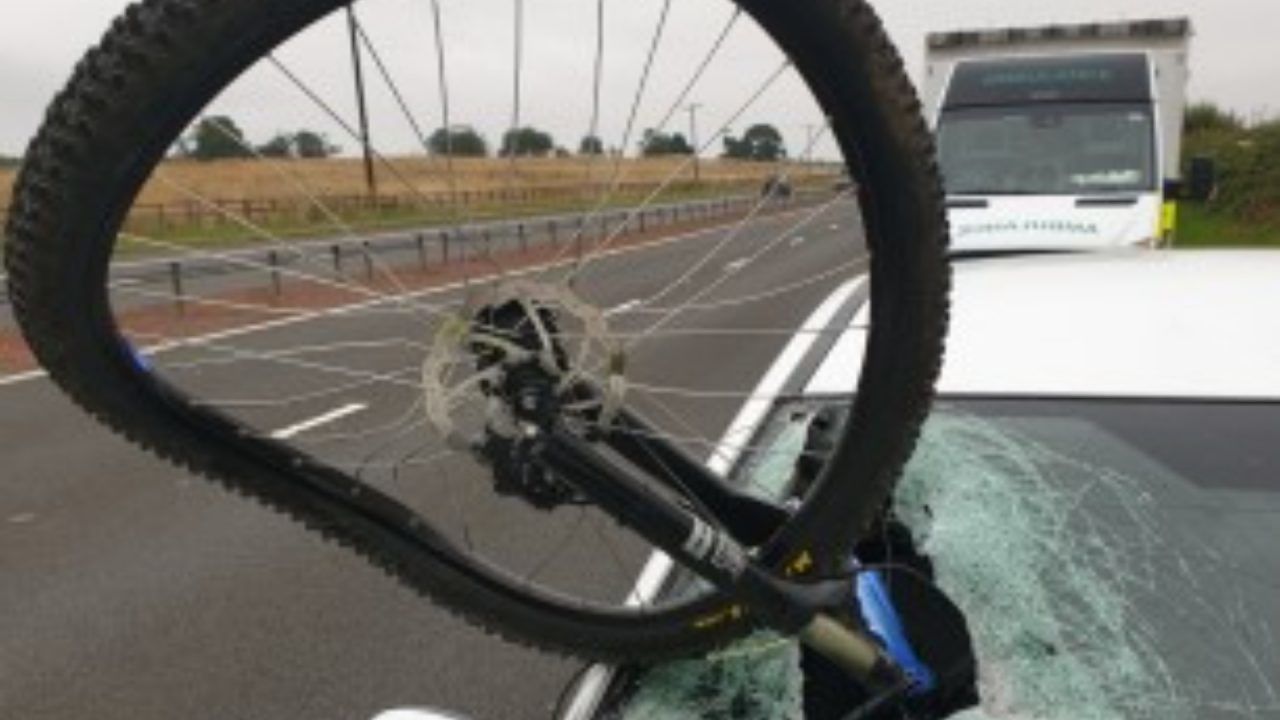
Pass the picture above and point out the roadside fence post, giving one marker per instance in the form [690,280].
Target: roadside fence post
[368,260]
[175,278]
[273,260]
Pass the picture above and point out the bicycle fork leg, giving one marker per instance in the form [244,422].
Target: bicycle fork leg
[807,610]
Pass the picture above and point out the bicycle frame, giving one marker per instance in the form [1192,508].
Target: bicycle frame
[820,613]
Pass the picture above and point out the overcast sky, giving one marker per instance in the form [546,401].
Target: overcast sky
[1235,61]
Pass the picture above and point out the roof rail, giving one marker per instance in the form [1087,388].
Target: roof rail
[1172,28]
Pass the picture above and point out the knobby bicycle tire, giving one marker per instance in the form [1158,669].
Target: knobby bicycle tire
[159,64]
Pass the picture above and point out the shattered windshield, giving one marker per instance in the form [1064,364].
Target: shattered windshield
[1048,149]
[1114,560]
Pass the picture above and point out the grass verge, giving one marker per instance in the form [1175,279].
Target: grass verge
[229,234]
[1200,227]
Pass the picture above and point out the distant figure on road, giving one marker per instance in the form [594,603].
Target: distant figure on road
[776,187]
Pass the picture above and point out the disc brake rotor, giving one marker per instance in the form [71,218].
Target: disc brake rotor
[461,340]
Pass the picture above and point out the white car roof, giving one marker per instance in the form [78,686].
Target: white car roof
[1131,324]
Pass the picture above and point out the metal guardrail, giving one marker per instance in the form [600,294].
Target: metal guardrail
[427,246]
[450,241]
[271,265]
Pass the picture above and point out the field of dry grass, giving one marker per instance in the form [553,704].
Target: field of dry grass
[237,202]
[258,180]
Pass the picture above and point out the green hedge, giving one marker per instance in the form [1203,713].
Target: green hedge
[1248,160]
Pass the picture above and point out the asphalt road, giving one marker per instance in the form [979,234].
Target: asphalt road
[130,590]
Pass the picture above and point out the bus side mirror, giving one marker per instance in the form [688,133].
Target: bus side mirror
[1202,180]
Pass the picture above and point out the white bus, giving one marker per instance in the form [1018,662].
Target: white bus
[1060,137]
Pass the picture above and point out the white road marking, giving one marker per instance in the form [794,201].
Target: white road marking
[736,265]
[835,227]
[363,305]
[332,416]
[625,307]
[21,377]
[22,519]
[797,241]
[415,714]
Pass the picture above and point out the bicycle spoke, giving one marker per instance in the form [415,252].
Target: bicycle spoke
[393,87]
[638,97]
[728,240]
[624,576]
[710,332]
[231,360]
[411,419]
[703,66]
[388,441]
[841,271]
[382,378]
[408,461]
[570,534]
[228,403]
[460,215]
[346,127]
[708,289]
[600,247]
[705,394]
[693,82]
[216,303]
[629,129]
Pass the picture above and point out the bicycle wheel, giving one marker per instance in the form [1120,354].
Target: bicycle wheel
[322,349]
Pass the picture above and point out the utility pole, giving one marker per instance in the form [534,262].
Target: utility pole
[353,27]
[811,131]
[693,140]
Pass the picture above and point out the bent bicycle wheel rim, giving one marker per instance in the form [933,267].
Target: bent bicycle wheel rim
[113,347]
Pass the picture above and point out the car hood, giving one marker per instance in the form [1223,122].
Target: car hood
[1138,323]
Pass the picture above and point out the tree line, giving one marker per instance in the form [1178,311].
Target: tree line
[220,137]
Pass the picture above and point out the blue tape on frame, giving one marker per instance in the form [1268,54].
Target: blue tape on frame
[139,359]
[882,619]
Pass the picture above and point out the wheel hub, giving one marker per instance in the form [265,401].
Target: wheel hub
[512,339]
